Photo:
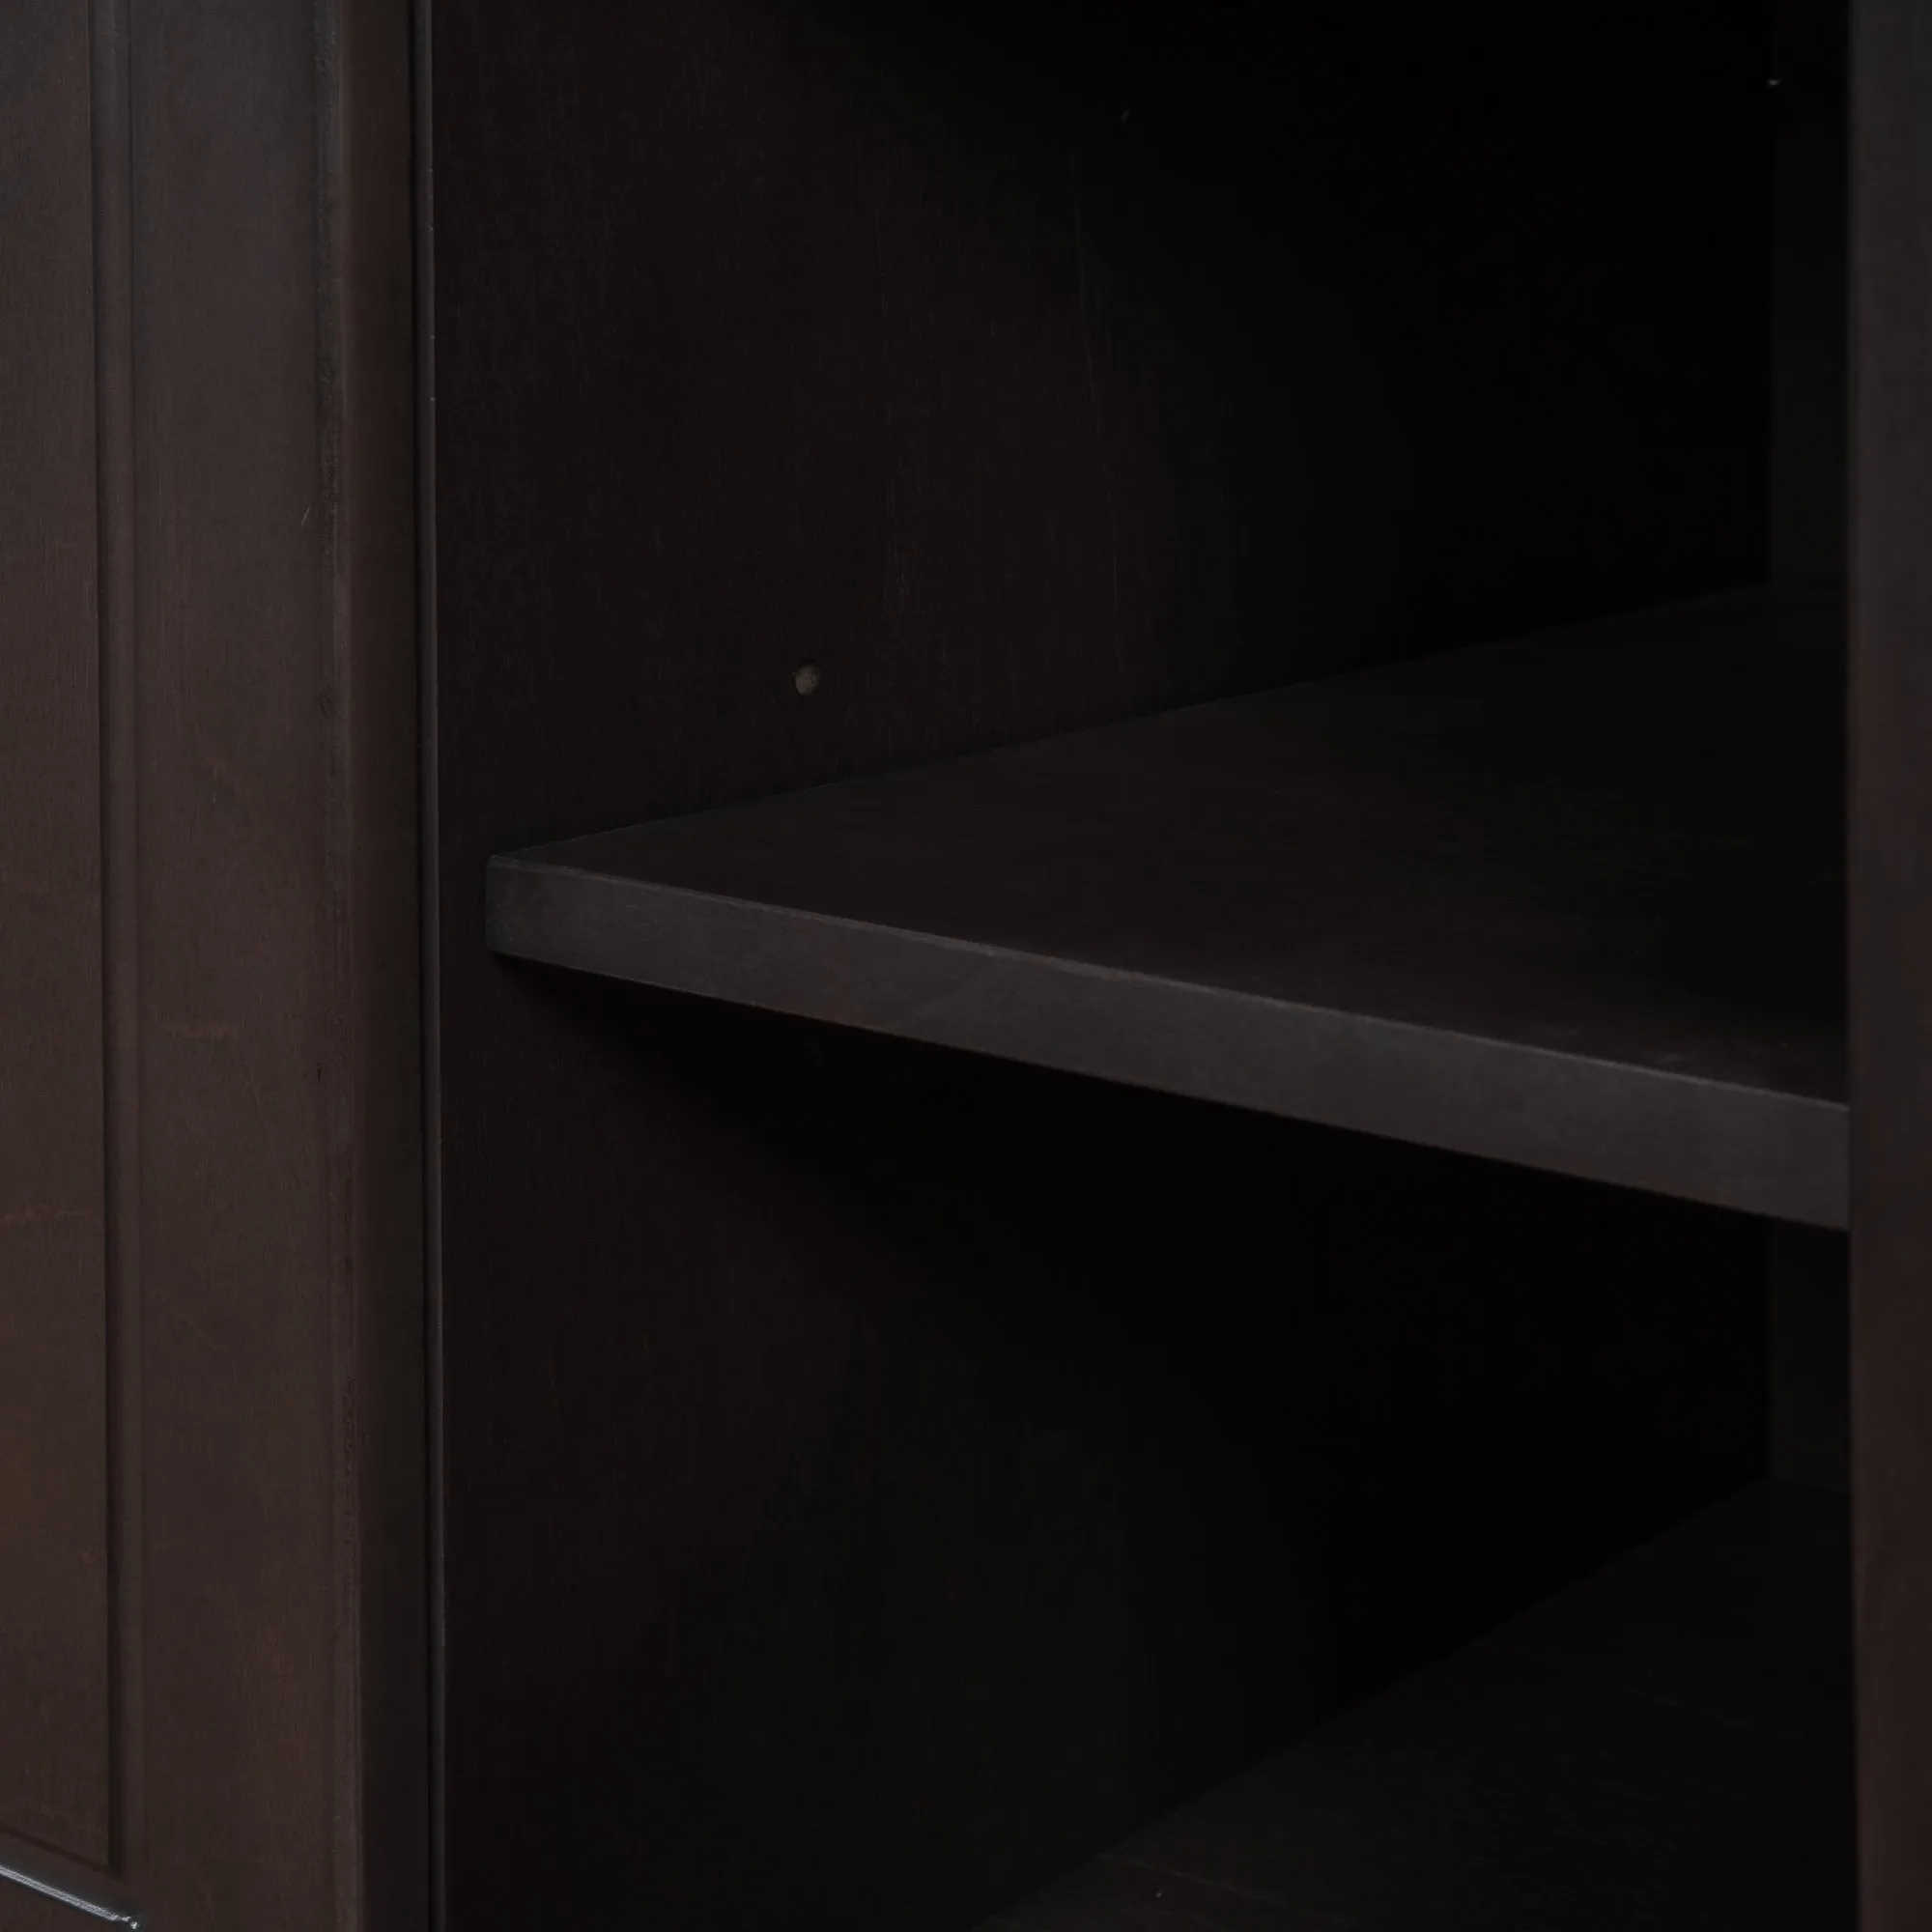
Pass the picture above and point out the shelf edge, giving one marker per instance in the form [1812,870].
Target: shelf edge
[1752,1149]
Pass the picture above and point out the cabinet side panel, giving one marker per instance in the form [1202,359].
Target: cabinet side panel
[1892,955]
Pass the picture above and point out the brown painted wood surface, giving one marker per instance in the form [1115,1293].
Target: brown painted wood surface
[55,1774]
[1891,954]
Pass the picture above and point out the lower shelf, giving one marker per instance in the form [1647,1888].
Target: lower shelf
[1668,1747]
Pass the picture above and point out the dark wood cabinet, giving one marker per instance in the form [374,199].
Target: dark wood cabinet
[964,966]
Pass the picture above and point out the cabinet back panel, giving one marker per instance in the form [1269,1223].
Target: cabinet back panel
[1014,390]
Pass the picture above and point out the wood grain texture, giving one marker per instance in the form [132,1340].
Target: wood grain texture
[238,1170]
[1891,954]
[285,1720]
[54,1619]
[855,1505]
[1505,901]
[1670,1745]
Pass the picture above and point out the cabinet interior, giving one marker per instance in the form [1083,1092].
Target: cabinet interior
[970,542]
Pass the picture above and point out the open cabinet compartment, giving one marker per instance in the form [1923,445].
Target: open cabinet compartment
[1278,577]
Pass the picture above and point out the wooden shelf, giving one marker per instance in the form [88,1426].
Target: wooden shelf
[1571,901]
[1668,1747]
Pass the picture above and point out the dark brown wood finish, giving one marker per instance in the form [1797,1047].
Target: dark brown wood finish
[874,1476]
[1810,315]
[374,887]
[112,111]
[212,863]
[238,1187]
[1811,1374]
[1015,1479]
[213,1669]
[1668,1746]
[55,1774]
[285,1703]
[1503,900]
[1891,954]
